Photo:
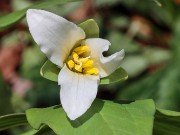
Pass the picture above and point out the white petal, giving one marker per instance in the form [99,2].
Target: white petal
[106,65]
[55,35]
[77,92]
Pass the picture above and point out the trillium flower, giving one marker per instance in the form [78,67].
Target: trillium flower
[81,60]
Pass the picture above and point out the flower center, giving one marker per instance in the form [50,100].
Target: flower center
[80,61]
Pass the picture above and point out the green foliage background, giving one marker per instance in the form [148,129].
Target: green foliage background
[152,62]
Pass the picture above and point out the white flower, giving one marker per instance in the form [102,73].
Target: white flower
[81,59]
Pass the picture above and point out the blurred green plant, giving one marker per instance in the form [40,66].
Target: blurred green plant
[10,19]
[5,98]
[162,86]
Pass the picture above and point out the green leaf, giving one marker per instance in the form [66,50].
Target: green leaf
[12,120]
[91,28]
[166,122]
[119,75]
[50,71]
[11,18]
[14,17]
[103,118]
[113,118]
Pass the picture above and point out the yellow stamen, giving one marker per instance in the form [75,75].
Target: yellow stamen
[91,71]
[71,64]
[80,61]
[84,59]
[78,68]
[88,63]
[81,49]
[75,57]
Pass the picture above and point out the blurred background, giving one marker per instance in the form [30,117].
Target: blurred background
[148,30]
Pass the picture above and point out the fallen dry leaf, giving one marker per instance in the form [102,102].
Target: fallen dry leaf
[10,59]
[141,26]
[84,11]
[177,2]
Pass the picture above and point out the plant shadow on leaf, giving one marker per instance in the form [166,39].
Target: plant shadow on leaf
[113,118]
[96,107]
[56,107]
[124,101]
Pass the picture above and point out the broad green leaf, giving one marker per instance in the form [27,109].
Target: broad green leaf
[119,75]
[12,120]
[91,28]
[50,71]
[14,17]
[166,122]
[103,118]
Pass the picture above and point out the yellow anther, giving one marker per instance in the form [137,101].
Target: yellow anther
[75,57]
[84,59]
[71,64]
[80,61]
[91,71]
[87,63]
[78,68]
[81,49]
